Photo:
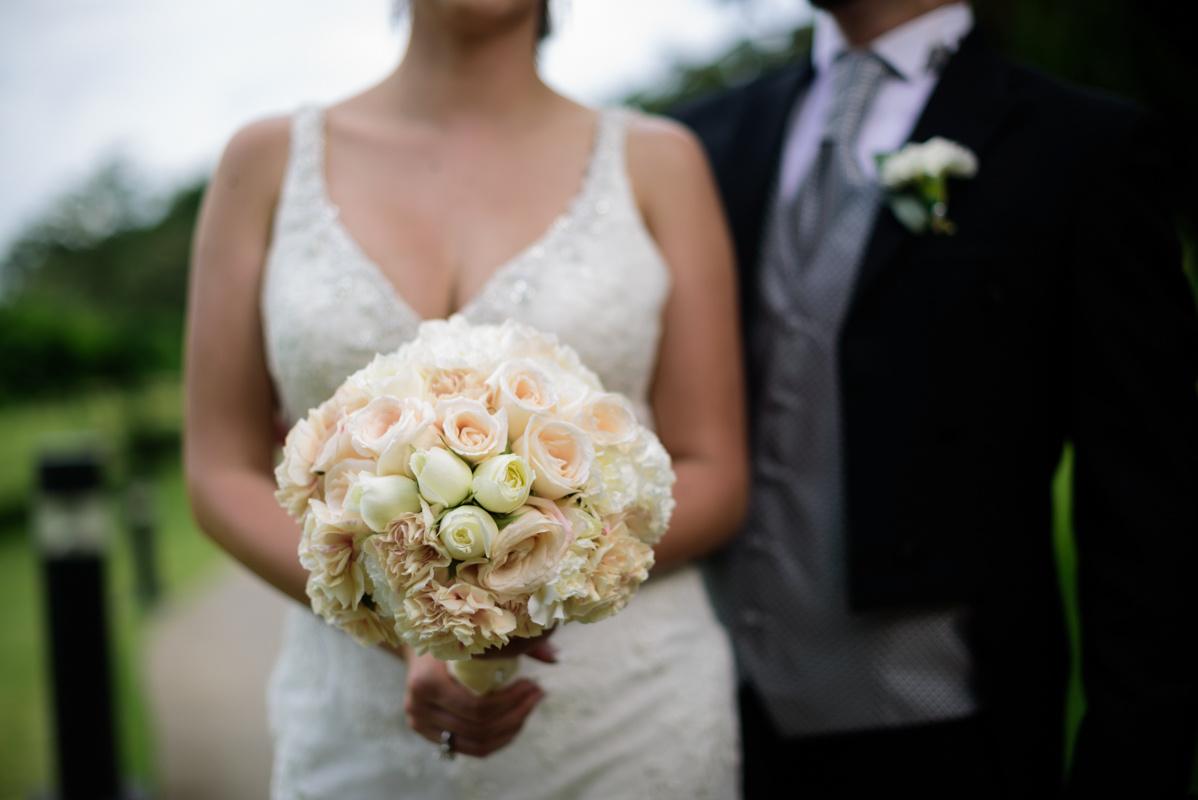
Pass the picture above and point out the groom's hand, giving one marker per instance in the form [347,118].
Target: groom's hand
[436,702]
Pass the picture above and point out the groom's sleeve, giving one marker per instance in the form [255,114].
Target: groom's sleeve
[1133,353]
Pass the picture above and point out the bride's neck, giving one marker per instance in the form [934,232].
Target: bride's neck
[445,73]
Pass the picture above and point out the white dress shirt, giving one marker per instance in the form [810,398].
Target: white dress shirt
[914,50]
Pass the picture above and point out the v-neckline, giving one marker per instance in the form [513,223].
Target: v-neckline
[371,268]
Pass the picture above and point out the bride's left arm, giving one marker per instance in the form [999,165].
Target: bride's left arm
[698,386]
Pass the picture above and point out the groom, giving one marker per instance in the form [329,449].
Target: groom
[915,367]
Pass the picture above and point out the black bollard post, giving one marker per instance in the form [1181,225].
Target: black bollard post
[140,515]
[72,530]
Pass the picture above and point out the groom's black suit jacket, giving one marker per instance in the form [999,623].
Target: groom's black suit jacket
[1057,313]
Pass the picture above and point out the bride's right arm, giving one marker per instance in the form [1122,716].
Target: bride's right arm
[228,442]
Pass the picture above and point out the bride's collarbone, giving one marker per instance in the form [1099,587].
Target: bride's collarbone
[442,221]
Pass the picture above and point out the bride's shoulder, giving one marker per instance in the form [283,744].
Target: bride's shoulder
[665,160]
[254,157]
[235,217]
[655,141]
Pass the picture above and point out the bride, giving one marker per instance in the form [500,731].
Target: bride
[461,184]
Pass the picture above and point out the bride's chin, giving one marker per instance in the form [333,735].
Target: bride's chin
[480,18]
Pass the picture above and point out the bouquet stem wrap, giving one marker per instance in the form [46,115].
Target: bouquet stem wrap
[484,675]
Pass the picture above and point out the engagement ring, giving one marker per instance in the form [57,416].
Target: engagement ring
[447,751]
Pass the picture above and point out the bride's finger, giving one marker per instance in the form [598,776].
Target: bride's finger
[509,723]
[460,701]
[502,724]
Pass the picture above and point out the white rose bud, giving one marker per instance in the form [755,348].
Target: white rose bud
[467,532]
[502,483]
[379,499]
[443,477]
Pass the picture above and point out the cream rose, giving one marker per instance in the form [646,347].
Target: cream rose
[338,447]
[501,484]
[467,532]
[470,430]
[340,479]
[522,389]
[609,419]
[351,395]
[295,476]
[571,389]
[525,553]
[561,455]
[378,499]
[443,478]
[390,429]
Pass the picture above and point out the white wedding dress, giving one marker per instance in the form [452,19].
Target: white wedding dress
[641,705]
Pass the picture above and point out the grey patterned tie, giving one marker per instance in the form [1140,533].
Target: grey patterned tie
[836,204]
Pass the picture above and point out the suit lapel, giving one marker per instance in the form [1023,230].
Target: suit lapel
[965,106]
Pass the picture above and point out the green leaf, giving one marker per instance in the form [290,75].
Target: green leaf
[911,212]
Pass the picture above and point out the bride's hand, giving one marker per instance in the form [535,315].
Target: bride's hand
[436,702]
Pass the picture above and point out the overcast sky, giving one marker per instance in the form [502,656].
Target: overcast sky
[164,83]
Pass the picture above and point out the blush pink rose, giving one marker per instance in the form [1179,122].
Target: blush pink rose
[521,389]
[561,455]
[470,430]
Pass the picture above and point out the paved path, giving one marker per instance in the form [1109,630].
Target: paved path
[205,661]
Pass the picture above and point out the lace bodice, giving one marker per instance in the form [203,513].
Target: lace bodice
[594,277]
[641,704]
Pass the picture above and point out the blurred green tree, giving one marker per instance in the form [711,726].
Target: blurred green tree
[94,292]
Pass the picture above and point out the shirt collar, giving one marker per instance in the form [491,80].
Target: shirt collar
[910,49]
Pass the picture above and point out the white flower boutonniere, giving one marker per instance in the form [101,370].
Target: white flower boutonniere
[916,179]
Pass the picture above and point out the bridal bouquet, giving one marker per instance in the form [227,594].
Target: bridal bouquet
[477,484]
